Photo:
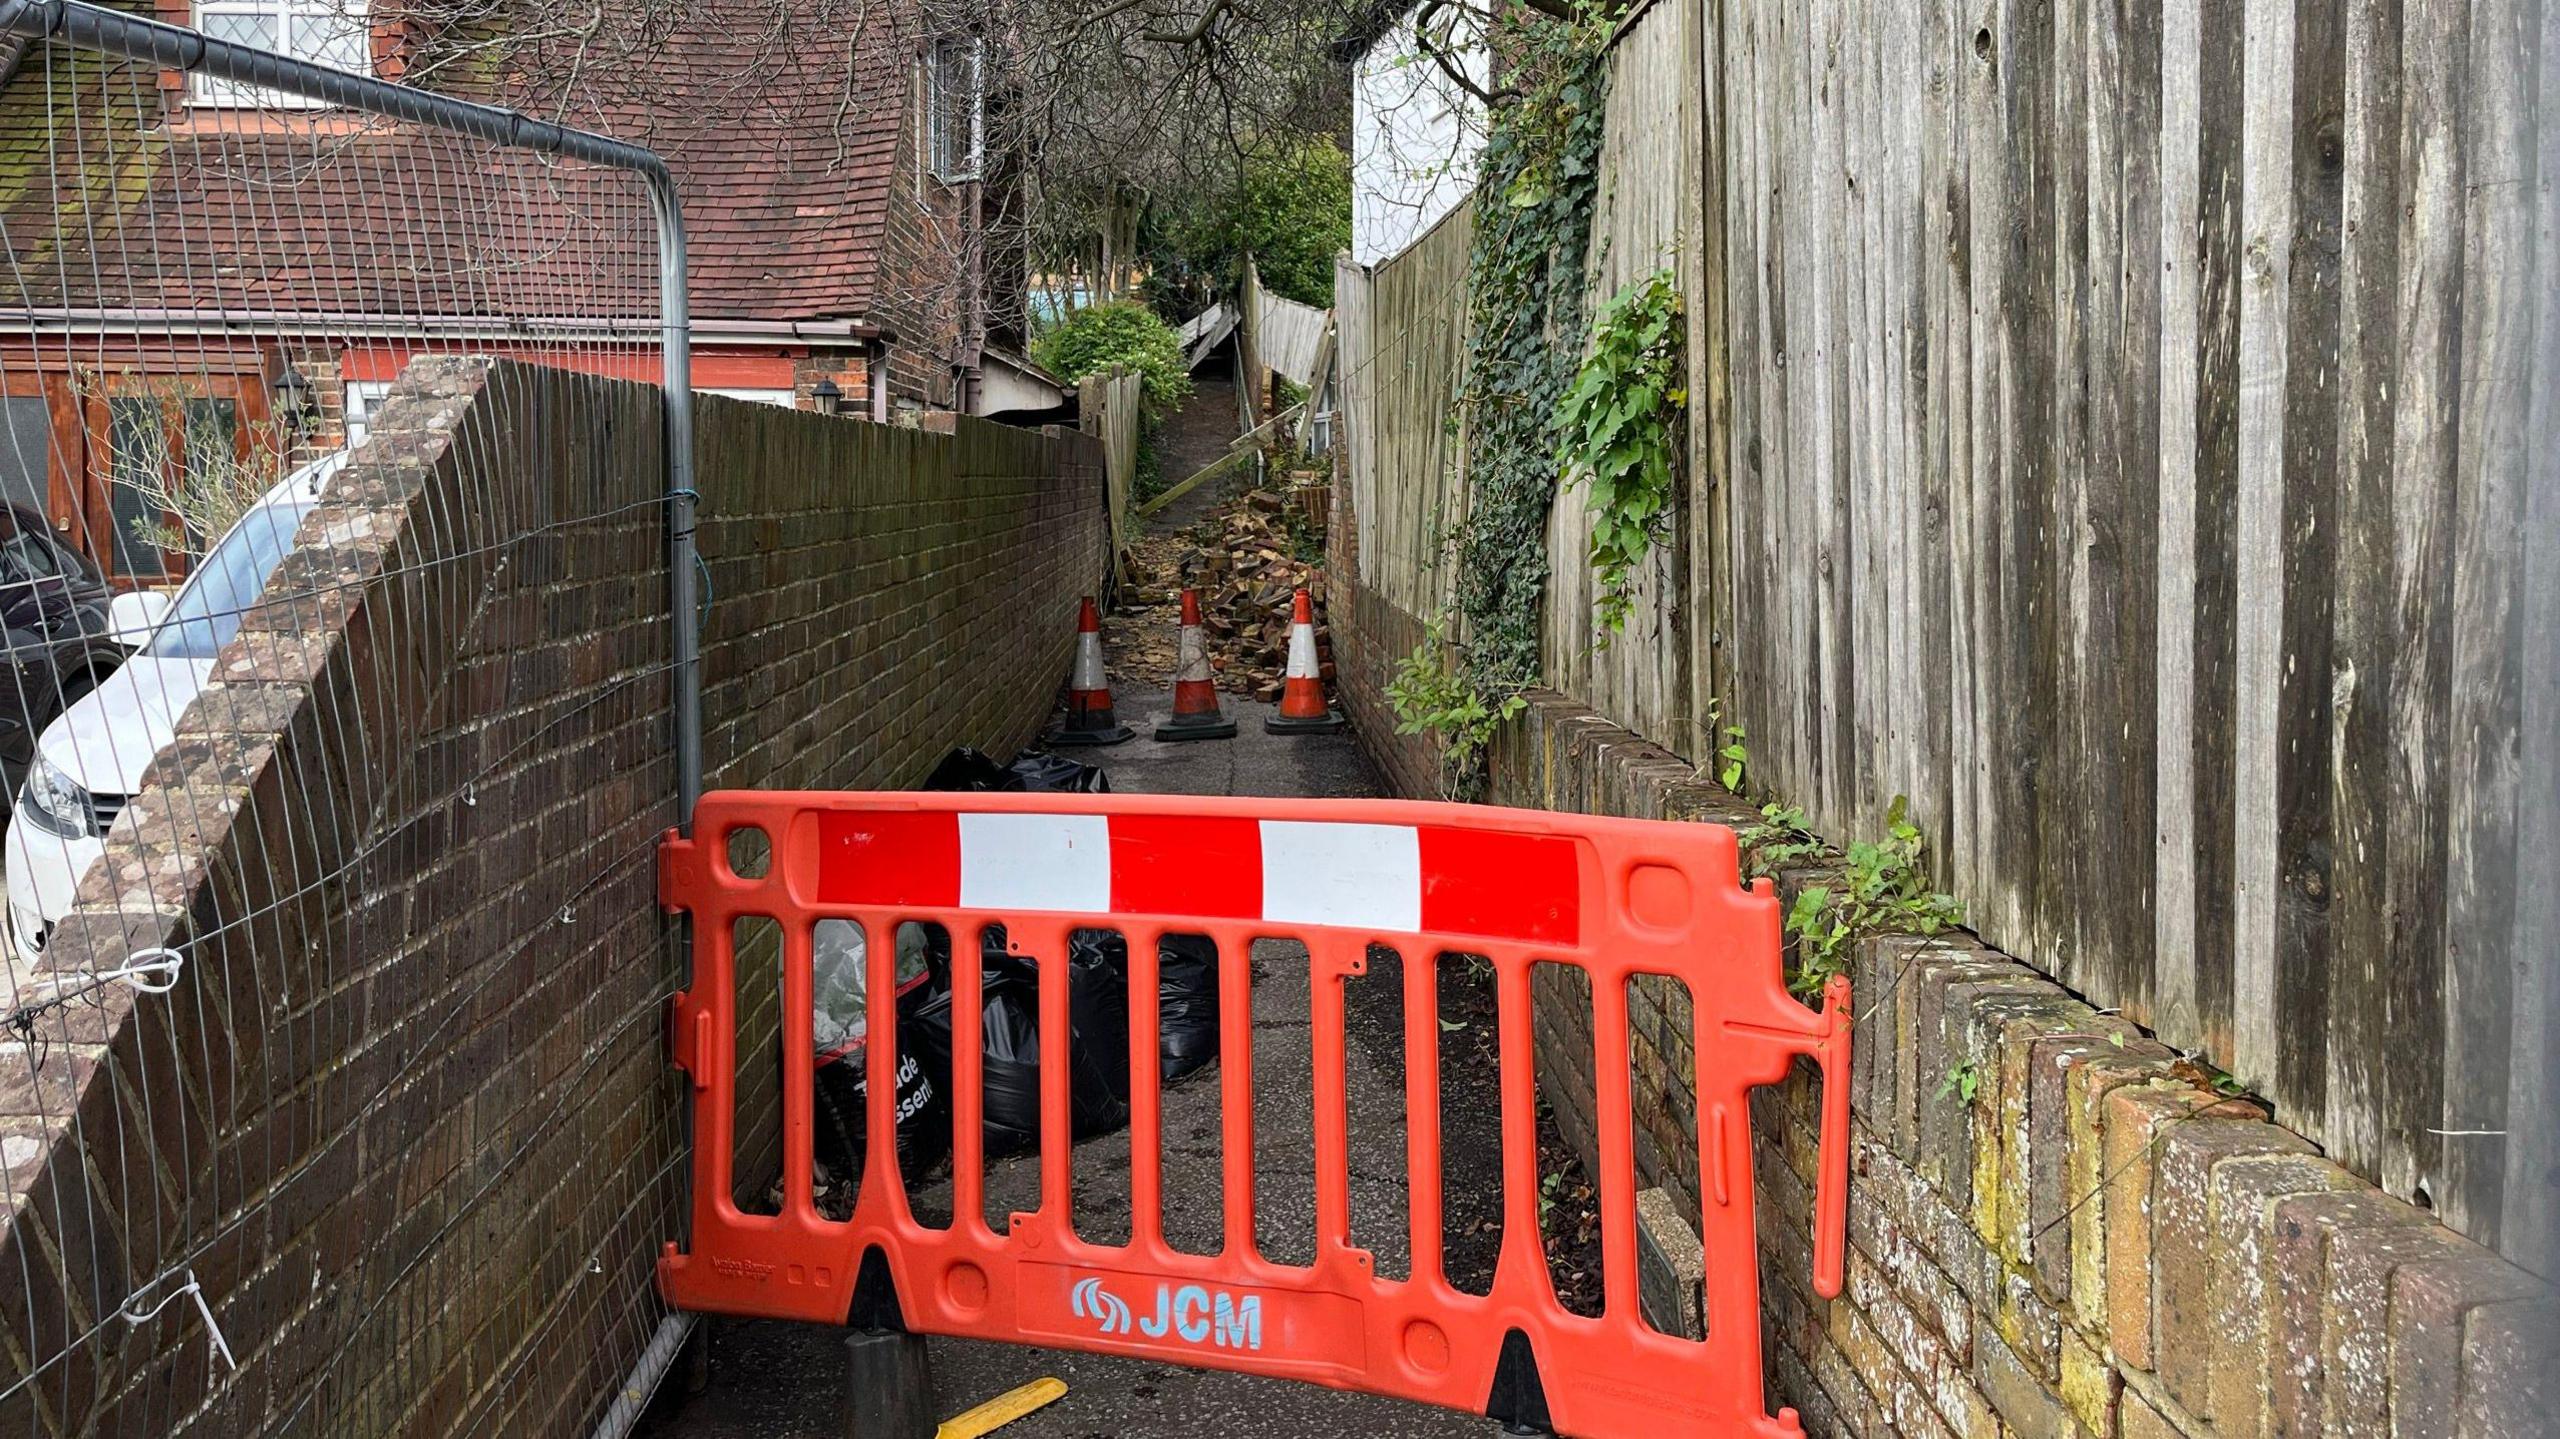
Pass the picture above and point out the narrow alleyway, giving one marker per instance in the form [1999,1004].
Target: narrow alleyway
[1201,428]
[784,1381]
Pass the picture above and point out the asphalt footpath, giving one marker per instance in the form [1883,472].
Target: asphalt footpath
[774,1380]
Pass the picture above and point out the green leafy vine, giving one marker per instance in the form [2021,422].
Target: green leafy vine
[1537,184]
[1539,180]
[1620,429]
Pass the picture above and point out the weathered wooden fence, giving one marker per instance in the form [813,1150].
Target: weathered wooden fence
[1654,677]
[1402,343]
[2128,451]
[2117,429]
[1109,405]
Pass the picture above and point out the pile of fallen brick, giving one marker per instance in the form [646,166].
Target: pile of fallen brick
[1246,558]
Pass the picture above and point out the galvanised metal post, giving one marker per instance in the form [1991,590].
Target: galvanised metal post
[88,27]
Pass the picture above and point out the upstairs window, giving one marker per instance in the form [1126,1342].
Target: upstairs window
[335,33]
[956,109]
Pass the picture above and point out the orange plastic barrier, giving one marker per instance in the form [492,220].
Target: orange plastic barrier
[1616,898]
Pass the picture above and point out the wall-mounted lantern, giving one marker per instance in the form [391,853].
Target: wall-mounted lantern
[828,398]
[297,403]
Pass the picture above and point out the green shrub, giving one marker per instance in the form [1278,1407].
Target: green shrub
[1121,332]
[1291,208]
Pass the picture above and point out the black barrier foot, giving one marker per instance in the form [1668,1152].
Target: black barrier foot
[1107,733]
[1519,1398]
[888,1387]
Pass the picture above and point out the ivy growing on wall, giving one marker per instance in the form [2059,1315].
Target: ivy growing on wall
[1538,181]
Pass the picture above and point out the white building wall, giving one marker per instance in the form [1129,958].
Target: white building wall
[1415,133]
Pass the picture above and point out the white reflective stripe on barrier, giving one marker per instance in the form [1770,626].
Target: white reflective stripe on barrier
[1347,874]
[1057,862]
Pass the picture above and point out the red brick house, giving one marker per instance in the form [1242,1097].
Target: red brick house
[837,190]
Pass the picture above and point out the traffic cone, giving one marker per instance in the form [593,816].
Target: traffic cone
[1090,719]
[1302,706]
[1195,695]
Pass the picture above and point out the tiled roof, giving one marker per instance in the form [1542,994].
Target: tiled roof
[784,146]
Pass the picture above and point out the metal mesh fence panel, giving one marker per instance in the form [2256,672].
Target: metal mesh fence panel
[333,561]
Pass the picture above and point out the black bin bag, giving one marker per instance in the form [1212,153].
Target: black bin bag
[840,1030]
[965,770]
[1097,1044]
[1186,990]
[1187,1003]
[1041,772]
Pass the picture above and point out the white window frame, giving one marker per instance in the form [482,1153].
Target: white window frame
[780,399]
[209,90]
[363,398]
[942,57]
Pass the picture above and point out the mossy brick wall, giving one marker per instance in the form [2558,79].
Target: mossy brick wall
[406,1118]
[2092,1245]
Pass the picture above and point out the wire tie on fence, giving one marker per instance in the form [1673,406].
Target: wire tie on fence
[189,1290]
[147,971]
[150,971]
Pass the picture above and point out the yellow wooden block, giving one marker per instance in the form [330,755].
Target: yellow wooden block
[1003,1409]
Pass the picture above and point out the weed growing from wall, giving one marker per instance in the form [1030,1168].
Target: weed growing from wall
[1884,889]
[1432,697]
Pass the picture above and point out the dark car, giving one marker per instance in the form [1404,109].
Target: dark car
[61,643]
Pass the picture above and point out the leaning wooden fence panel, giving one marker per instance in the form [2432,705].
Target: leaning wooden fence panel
[1109,405]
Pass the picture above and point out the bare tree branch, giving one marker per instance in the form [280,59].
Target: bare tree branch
[1437,51]
[1208,17]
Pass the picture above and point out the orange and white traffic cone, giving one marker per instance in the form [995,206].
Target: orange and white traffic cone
[1090,719]
[1302,705]
[1195,696]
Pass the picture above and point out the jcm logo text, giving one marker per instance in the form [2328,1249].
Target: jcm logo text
[1192,1314]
